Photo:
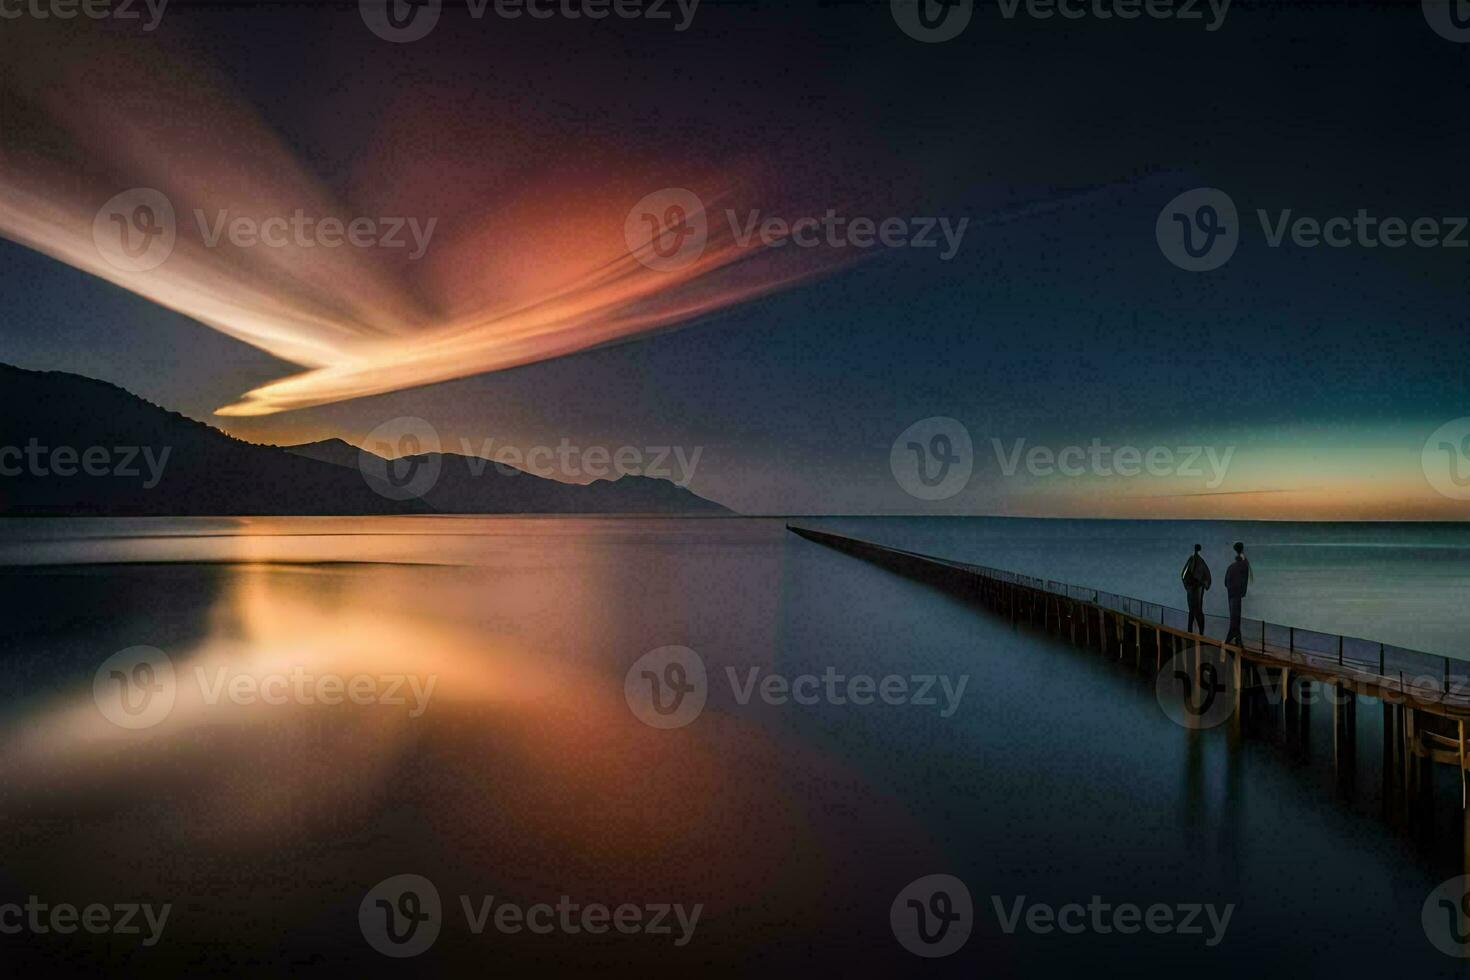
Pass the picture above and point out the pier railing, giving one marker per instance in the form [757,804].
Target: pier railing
[1424,675]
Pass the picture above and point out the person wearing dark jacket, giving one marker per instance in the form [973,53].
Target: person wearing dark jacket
[1196,579]
[1237,578]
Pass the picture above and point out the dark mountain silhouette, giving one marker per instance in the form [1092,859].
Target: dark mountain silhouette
[475,485]
[71,445]
[338,452]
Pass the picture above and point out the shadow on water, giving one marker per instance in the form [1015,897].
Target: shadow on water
[62,621]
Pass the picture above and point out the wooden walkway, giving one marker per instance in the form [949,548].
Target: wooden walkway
[1427,711]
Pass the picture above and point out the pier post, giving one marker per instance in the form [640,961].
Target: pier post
[1465,838]
[1237,717]
[1389,753]
[1462,762]
[1344,736]
[1238,666]
[1402,740]
[1285,694]
[1410,756]
[1304,712]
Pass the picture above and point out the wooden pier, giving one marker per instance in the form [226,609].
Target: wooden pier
[1425,707]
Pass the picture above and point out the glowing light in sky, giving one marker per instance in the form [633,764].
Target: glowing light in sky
[165,184]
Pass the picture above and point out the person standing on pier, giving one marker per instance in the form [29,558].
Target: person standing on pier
[1196,579]
[1237,577]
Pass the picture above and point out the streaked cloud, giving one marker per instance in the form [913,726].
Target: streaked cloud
[499,286]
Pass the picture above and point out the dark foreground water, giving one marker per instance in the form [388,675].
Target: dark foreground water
[493,749]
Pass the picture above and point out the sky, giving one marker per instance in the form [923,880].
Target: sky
[1051,331]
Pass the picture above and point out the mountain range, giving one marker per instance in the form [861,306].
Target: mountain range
[73,446]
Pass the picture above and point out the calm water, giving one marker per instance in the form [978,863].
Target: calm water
[527,777]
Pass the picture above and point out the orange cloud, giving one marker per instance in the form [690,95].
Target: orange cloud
[497,286]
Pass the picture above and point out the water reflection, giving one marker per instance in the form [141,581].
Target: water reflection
[528,778]
[526,774]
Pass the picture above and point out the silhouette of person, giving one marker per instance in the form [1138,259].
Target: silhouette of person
[1196,579]
[1237,577]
